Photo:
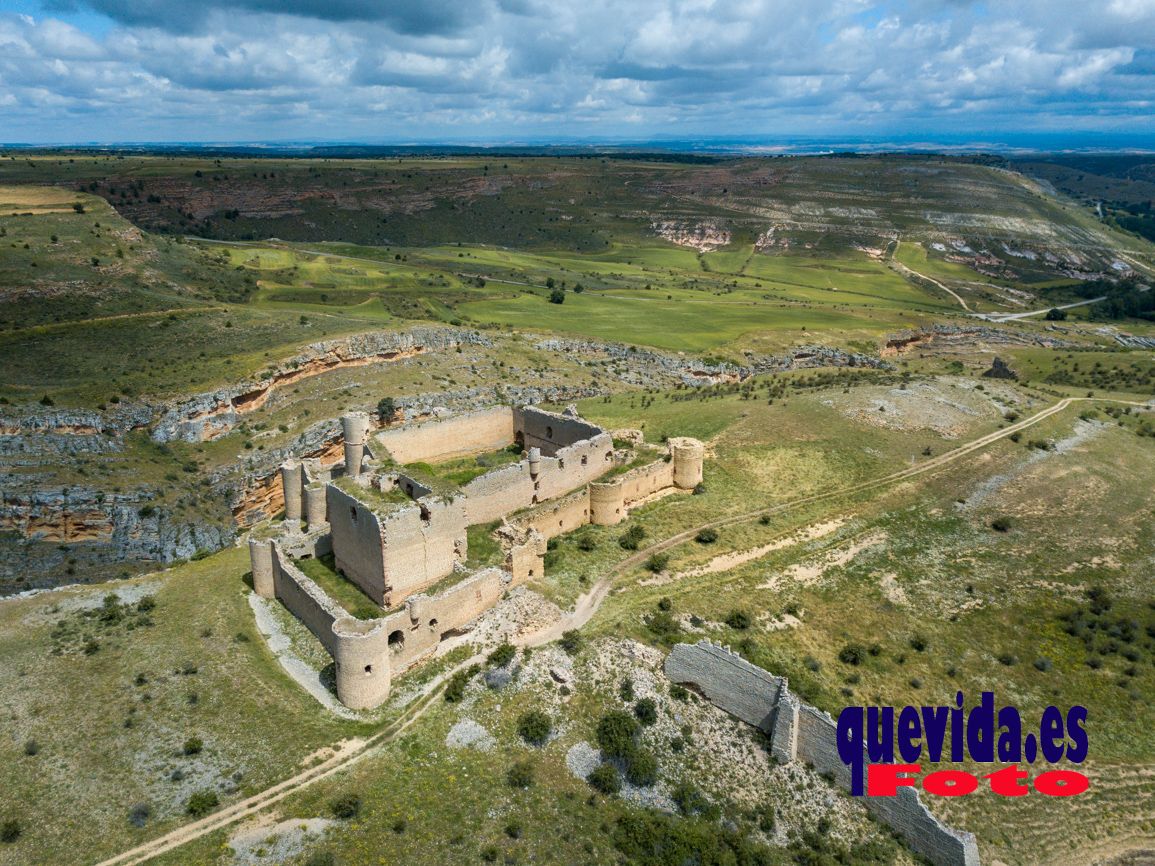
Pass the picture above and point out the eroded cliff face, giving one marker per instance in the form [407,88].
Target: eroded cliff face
[86,494]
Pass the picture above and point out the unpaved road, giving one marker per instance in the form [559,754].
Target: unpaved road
[1010,317]
[348,753]
[910,272]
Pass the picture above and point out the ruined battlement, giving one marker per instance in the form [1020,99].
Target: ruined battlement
[800,732]
[400,535]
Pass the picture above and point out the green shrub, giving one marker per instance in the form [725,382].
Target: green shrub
[616,732]
[738,619]
[626,690]
[193,746]
[321,858]
[657,562]
[852,654]
[679,693]
[10,831]
[1042,665]
[642,768]
[513,828]
[455,688]
[520,775]
[605,779]
[31,748]
[632,537]
[1001,524]
[534,727]
[918,643]
[571,641]
[502,656]
[202,802]
[346,807]
[706,536]
[586,542]
[646,711]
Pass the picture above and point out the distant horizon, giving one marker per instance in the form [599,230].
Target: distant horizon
[946,74]
[1026,144]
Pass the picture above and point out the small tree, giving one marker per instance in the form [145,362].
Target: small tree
[202,802]
[738,619]
[10,831]
[346,807]
[658,562]
[557,296]
[502,656]
[193,746]
[616,732]
[646,711]
[706,536]
[386,409]
[534,727]
[642,768]
[605,779]
[572,641]
[1056,315]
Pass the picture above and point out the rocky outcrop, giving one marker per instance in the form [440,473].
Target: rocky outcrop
[213,414]
[1000,370]
[648,368]
[46,532]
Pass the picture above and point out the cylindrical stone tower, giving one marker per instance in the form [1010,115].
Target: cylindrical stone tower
[291,476]
[362,657]
[687,455]
[261,560]
[534,461]
[316,514]
[607,503]
[355,427]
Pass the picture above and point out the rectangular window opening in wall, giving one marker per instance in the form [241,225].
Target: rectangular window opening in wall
[585,460]
[353,513]
[560,463]
[368,669]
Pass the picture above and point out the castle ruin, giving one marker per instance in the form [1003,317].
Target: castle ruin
[398,529]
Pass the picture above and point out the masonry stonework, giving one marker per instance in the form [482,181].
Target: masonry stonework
[801,732]
[400,535]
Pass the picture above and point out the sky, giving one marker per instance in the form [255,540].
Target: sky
[508,71]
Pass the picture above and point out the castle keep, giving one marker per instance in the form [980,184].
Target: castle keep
[399,530]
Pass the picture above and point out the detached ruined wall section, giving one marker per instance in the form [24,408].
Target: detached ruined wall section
[801,732]
[449,438]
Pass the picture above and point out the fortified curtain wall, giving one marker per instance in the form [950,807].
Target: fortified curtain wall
[801,732]
[446,439]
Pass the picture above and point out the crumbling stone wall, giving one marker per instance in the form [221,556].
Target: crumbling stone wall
[358,544]
[647,480]
[550,431]
[801,732]
[559,516]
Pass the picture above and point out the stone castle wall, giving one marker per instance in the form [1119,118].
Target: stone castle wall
[446,439]
[646,480]
[801,732]
[512,488]
[550,431]
[358,545]
[558,516]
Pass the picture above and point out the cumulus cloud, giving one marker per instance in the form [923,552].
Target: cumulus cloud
[504,69]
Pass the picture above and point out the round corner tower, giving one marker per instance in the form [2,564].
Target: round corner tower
[261,561]
[687,457]
[361,652]
[607,503]
[355,429]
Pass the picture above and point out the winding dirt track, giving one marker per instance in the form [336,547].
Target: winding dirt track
[348,753]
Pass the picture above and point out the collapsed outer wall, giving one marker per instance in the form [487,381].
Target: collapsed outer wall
[802,732]
[458,436]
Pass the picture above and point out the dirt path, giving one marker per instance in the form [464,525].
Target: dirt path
[1009,317]
[903,270]
[348,753]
